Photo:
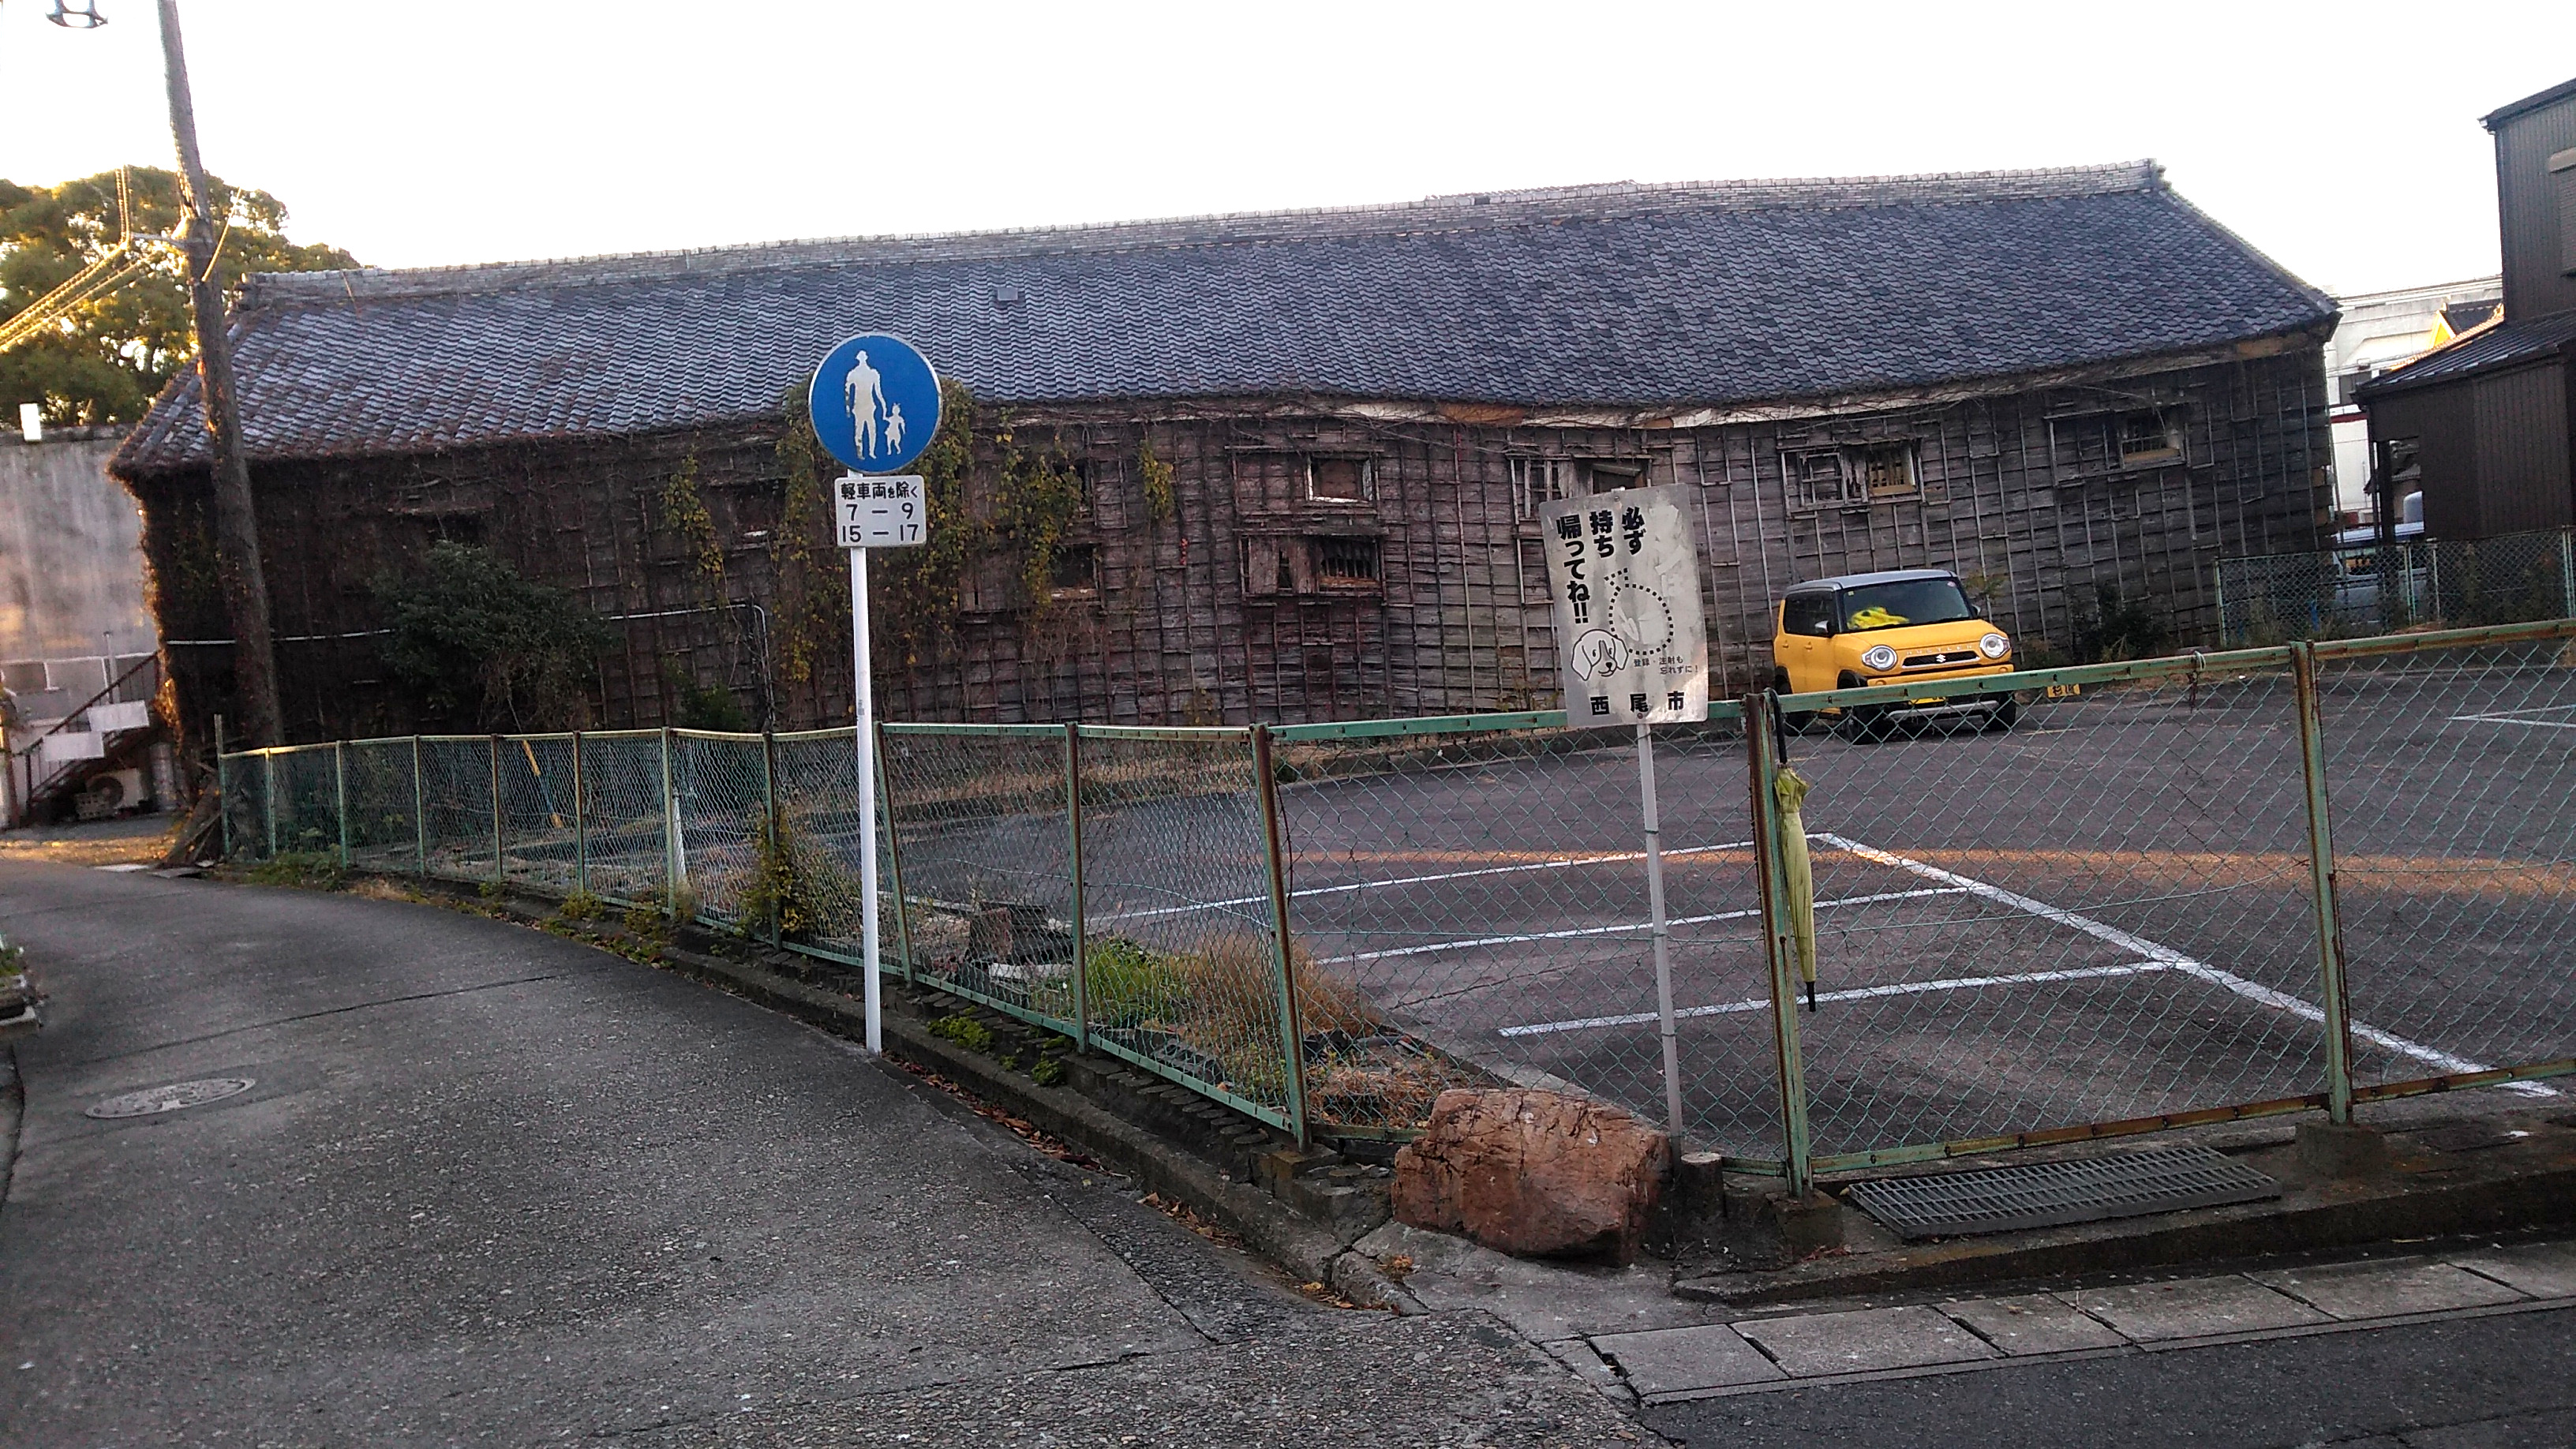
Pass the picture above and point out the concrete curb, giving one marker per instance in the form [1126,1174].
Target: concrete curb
[2378,1210]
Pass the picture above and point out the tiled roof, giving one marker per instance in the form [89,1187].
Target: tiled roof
[2489,349]
[1607,296]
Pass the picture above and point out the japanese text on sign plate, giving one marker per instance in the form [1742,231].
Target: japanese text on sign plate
[880,512]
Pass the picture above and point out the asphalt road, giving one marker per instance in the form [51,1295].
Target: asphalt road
[495,1187]
[2482,1383]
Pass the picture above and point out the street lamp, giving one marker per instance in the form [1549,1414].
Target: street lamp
[237,561]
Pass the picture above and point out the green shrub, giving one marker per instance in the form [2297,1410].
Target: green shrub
[1047,1072]
[312,869]
[582,906]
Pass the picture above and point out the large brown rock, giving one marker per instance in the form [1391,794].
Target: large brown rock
[1532,1173]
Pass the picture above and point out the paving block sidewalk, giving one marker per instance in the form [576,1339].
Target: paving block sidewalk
[1758,1354]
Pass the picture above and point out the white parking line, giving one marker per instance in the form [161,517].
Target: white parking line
[1624,928]
[1407,880]
[2545,724]
[1861,993]
[2202,970]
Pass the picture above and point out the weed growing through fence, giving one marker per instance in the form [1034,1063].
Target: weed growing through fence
[311,869]
[794,882]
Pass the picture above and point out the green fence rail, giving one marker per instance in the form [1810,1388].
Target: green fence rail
[2039,907]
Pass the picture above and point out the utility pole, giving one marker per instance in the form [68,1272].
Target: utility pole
[237,562]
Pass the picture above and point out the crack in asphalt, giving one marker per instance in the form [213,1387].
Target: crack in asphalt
[316,1016]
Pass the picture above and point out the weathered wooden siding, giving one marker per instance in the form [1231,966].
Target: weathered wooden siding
[1455,619]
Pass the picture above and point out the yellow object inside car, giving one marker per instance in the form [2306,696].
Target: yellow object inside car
[1874,617]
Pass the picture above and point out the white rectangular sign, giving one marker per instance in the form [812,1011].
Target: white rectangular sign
[881,512]
[1631,645]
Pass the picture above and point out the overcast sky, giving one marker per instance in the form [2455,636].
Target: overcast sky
[2341,138]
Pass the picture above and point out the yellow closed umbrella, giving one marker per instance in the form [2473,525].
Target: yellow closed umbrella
[1792,788]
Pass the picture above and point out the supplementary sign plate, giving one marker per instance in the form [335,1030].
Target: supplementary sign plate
[880,512]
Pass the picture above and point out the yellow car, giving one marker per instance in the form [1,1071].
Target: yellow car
[1889,628]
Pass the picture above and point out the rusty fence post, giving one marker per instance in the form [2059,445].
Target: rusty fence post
[1779,944]
[2330,964]
[1292,1034]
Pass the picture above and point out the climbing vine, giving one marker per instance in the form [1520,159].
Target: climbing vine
[1033,504]
[1157,474]
[684,512]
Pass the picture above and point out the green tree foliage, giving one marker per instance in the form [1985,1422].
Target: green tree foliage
[112,355]
[2118,627]
[476,641]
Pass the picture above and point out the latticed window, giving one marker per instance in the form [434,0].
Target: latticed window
[1537,482]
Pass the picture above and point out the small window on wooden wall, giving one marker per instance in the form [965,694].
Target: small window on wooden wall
[1339,480]
[1887,472]
[1818,478]
[1345,561]
[1277,566]
[2091,444]
[1537,482]
[1852,477]
[1074,571]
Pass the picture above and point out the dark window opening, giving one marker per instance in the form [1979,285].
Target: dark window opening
[1074,569]
[1338,480]
[1346,560]
[1537,482]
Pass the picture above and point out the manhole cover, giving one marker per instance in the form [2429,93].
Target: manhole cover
[171,1098]
[2046,1194]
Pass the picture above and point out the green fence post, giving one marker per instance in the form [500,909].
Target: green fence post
[1292,1035]
[1073,831]
[419,808]
[268,778]
[580,824]
[340,794]
[674,863]
[2312,762]
[769,817]
[2567,573]
[1761,745]
[223,788]
[893,851]
[497,872]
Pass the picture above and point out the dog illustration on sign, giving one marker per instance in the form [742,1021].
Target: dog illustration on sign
[1637,634]
[872,419]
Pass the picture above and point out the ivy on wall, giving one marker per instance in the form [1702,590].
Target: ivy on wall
[1160,501]
[684,512]
[1034,500]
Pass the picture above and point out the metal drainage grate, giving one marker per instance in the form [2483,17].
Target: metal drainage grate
[2045,1194]
[171,1098]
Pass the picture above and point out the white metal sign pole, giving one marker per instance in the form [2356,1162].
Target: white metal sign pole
[1663,935]
[867,762]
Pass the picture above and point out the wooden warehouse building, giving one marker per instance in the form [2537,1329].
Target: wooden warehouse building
[1272,467]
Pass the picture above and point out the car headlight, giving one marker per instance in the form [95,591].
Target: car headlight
[1879,657]
[1994,646]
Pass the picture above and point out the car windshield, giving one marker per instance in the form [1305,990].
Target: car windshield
[1911,601]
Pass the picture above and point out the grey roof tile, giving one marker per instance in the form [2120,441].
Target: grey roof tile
[1613,296]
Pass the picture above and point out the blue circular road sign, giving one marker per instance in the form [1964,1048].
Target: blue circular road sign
[875,403]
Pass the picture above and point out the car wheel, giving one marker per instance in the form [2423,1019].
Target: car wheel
[1864,722]
[2003,715]
[1794,721]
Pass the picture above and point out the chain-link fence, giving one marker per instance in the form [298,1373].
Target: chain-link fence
[2068,903]
[2367,589]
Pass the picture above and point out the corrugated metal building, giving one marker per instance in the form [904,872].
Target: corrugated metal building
[2485,428]
[1302,454]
